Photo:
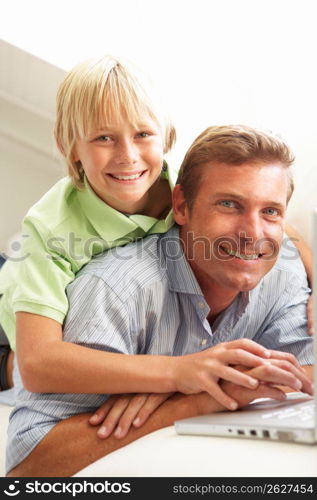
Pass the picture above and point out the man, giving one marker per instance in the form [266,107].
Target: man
[204,285]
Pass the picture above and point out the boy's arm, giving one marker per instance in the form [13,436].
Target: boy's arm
[49,364]
[98,352]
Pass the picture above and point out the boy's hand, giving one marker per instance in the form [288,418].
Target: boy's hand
[119,412]
[278,373]
[200,372]
[283,372]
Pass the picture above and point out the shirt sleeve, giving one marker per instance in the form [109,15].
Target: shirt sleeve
[287,328]
[42,273]
[97,317]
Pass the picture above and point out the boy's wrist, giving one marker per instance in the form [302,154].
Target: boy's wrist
[169,372]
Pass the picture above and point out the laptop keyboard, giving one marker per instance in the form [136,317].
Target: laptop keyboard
[303,412]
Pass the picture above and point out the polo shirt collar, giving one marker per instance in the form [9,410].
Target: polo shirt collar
[111,224]
[108,222]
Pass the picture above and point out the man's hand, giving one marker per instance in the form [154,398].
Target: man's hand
[200,372]
[119,412]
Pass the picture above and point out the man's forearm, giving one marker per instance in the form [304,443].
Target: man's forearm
[73,443]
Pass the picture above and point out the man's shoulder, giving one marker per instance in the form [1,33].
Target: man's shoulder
[129,269]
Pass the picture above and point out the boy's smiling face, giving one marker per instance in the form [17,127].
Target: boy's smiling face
[122,162]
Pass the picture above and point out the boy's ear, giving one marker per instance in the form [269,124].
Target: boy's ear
[74,156]
[180,209]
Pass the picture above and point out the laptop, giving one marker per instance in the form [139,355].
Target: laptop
[294,419]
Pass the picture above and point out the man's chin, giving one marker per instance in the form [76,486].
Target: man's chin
[244,283]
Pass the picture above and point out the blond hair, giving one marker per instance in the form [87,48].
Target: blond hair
[98,92]
[231,145]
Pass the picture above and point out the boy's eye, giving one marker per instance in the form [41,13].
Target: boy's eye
[143,134]
[104,138]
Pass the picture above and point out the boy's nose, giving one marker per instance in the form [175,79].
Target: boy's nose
[126,153]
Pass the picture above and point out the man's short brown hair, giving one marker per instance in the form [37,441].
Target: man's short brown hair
[231,145]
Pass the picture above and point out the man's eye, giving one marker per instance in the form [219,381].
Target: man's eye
[271,211]
[227,203]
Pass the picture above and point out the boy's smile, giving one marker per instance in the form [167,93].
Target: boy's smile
[122,162]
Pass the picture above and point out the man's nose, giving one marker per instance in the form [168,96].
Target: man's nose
[250,229]
[126,153]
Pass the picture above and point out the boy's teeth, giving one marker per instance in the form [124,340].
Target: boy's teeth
[127,177]
[240,255]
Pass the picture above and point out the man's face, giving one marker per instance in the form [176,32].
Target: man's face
[235,228]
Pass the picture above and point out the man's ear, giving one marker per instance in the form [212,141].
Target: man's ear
[180,209]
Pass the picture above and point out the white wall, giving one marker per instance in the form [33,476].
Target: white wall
[25,176]
[216,62]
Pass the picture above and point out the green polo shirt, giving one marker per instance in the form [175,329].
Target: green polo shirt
[61,233]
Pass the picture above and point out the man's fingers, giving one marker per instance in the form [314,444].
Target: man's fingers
[267,391]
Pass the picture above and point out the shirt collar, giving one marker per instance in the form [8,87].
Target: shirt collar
[108,222]
[181,277]
[111,224]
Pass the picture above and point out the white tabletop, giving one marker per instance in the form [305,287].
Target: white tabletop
[165,453]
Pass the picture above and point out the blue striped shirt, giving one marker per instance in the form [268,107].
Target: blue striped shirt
[144,299]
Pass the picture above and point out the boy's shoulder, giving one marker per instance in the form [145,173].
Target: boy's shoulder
[54,204]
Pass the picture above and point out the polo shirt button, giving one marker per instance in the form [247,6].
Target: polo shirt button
[201,305]
[203,342]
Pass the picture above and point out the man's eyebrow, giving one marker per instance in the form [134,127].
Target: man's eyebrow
[239,197]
